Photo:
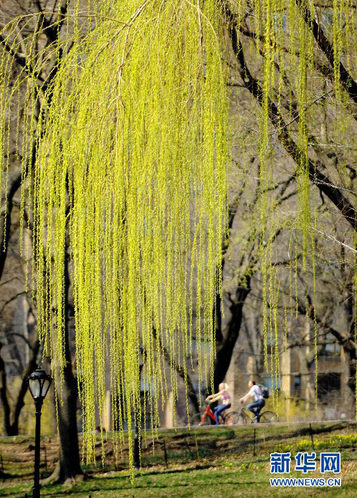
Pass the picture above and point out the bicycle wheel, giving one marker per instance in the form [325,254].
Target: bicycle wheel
[242,419]
[232,418]
[268,417]
[196,420]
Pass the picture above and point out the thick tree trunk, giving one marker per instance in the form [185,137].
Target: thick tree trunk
[349,347]
[31,366]
[350,356]
[68,467]
[5,222]
[226,347]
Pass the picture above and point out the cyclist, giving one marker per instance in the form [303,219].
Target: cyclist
[223,397]
[256,393]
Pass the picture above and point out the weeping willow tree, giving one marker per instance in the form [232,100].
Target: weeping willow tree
[124,148]
[129,175]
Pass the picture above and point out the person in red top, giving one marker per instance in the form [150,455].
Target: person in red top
[223,397]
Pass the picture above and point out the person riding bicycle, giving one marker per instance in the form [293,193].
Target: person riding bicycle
[254,392]
[223,397]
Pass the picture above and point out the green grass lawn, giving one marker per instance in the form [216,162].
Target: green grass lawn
[206,462]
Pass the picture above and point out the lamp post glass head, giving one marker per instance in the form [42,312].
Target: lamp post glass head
[39,384]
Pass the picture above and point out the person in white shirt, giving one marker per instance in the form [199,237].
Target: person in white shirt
[258,401]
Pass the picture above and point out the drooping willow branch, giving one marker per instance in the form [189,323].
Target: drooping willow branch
[253,85]
[131,135]
[345,77]
[182,372]
[124,151]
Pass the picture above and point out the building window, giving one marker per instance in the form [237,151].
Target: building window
[271,383]
[328,386]
[331,349]
[297,384]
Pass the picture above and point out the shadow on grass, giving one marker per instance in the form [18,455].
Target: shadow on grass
[138,486]
[122,483]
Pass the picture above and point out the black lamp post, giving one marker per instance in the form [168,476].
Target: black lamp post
[39,383]
[136,447]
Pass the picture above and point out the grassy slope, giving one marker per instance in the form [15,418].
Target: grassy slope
[205,462]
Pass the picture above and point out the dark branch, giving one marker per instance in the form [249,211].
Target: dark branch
[345,341]
[180,370]
[50,30]
[254,87]
[346,79]
[6,221]
[21,61]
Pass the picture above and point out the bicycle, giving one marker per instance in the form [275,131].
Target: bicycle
[208,417]
[247,417]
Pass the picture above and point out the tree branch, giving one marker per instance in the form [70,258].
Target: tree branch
[180,370]
[30,367]
[50,30]
[345,341]
[254,87]
[349,84]
[21,61]
[6,221]
[3,393]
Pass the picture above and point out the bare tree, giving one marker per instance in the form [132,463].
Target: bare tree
[46,30]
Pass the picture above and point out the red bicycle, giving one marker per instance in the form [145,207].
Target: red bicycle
[226,418]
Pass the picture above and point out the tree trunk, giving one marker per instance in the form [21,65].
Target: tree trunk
[31,366]
[350,357]
[5,222]
[349,350]
[3,395]
[68,467]
[225,349]
[11,423]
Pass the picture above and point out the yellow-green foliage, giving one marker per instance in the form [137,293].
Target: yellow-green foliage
[124,155]
[129,178]
[337,441]
[291,409]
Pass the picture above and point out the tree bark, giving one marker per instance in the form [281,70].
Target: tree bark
[68,467]
[5,225]
[350,351]
[3,395]
[225,349]
[31,366]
